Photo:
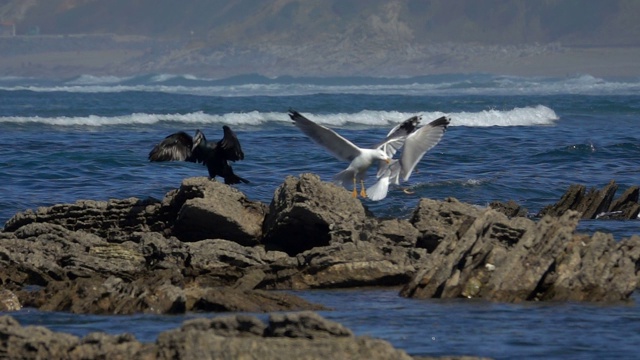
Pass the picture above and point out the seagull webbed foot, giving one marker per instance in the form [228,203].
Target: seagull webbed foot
[363,193]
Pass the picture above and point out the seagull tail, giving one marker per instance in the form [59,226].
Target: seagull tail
[345,178]
[378,191]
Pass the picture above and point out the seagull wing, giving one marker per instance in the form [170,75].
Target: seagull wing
[229,146]
[175,147]
[419,142]
[395,139]
[340,147]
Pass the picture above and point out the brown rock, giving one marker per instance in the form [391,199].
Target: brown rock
[9,301]
[517,259]
[225,299]
[306,213]
[164,294]
[626,206]
[110,220]
[510,208]
[569,200]
[439,220]
[213,210]
[291,336]
[32,342]
[595,268]
[596,203]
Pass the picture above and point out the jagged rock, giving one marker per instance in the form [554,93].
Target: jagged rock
[510,208]
[47,252]
[397,232]
[439,220]
[9,301]
[99,345]
[306,213]
[32,342]
[225,299]
[315,236]
[594,268]
[213,210]
[517,259]
[165,294]
[291,336]
[307,325]
[347,265]
[626,206]
[596,203]
[110,220]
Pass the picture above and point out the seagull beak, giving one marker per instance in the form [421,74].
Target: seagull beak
[388,161]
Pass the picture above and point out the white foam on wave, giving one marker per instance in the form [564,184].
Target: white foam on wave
[485,86]
[97,80]
[527,116]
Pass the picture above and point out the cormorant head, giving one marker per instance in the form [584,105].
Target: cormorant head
[198,139]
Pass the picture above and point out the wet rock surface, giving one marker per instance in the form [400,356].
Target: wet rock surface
[597,203]
[206,247]
[303,335]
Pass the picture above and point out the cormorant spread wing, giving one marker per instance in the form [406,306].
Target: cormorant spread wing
[215,156]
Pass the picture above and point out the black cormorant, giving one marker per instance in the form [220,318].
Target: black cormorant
[216,156]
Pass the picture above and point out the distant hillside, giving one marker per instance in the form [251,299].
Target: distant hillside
[220,38]
[217,22]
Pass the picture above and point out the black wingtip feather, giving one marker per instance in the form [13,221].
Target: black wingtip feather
[441,121]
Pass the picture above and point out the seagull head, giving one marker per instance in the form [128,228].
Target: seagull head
[382,155]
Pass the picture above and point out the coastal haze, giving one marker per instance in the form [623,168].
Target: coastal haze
[218,39]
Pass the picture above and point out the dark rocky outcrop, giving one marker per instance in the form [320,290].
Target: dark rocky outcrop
[205,247]
[164,294]
[307,213]
[490,256]
[303,335]
[199,209]
[596,204]
[509,208]
[212,210]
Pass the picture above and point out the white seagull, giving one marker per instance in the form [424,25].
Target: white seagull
[414,144]
[360,159]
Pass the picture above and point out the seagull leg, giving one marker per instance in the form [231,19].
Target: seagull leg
[355,192]
[363,193]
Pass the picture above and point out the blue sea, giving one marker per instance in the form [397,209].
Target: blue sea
[510,138]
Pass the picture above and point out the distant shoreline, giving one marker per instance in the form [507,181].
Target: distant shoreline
[59,57]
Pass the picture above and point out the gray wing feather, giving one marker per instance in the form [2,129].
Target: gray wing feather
[419,142]
[340,147]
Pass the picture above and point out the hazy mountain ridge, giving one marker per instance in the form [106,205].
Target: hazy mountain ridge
[337,37]
[572,22]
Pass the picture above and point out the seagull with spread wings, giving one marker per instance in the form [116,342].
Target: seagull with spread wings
[360,159]
[414,144]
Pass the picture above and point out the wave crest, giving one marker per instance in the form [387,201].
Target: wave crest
[526,116]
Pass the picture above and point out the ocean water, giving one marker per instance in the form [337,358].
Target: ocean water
[511,138]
